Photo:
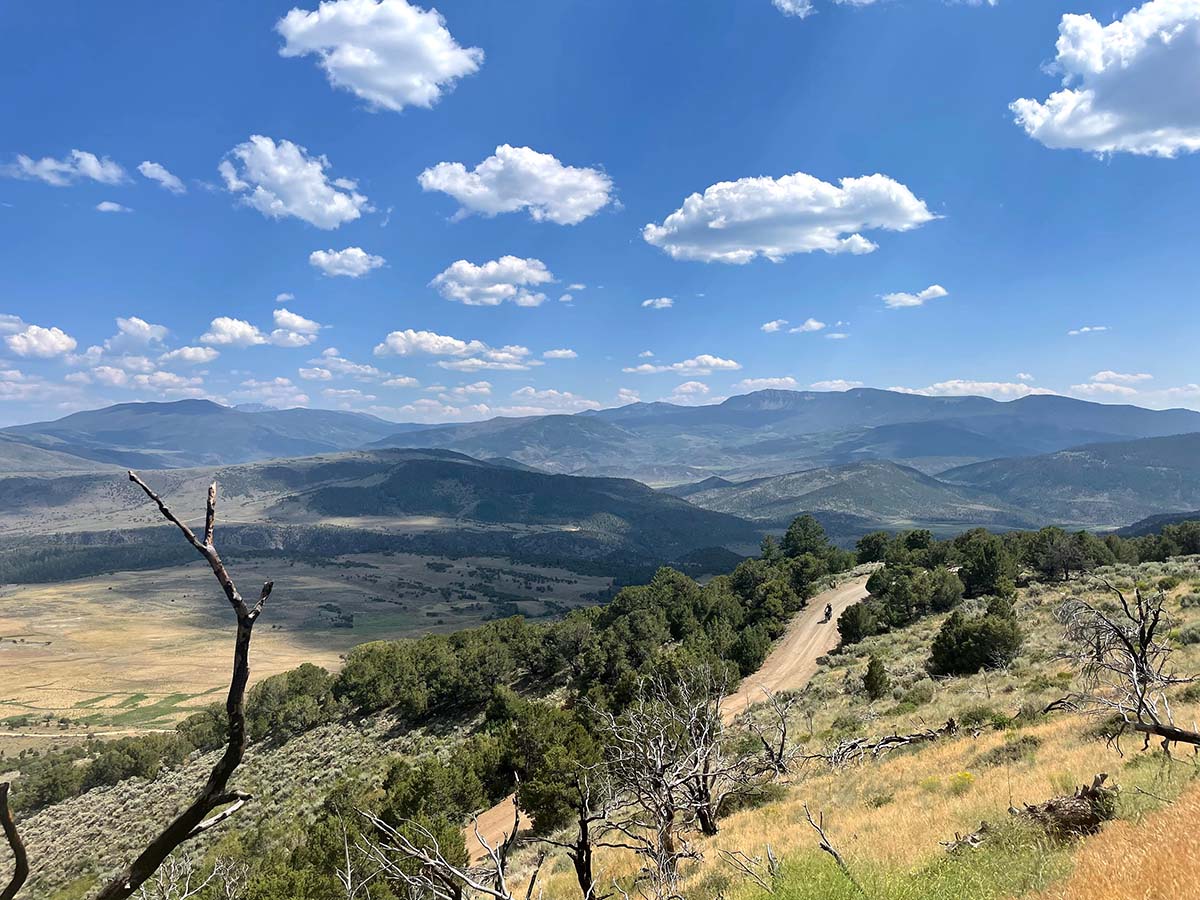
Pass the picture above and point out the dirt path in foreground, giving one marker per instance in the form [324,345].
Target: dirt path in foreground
[787,668]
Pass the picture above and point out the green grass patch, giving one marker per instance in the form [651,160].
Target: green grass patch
[1016,861]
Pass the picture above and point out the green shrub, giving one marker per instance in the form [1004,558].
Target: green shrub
[965,645]
[1012,751]
[1190,634]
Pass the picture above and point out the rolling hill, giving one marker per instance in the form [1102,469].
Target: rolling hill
[424,501]
[872,494]
[1101,485]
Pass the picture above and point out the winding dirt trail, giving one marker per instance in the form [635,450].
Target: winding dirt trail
[787,668]
[794,659]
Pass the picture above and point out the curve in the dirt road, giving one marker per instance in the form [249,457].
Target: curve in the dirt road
[788,667]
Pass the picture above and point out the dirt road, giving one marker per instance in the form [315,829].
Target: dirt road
[787,668]
[807,639]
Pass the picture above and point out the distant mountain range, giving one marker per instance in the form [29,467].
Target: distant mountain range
[859,459]
[775,432]
[192,433]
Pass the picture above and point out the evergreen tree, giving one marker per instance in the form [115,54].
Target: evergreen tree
[876,681]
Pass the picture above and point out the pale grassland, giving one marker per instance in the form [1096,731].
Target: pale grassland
[140,650]
[888,817]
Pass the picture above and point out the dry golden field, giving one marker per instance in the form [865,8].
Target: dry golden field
[139,650]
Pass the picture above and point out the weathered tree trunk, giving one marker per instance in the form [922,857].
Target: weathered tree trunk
[20,859]
[203,813]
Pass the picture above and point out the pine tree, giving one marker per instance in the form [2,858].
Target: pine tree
[876,681]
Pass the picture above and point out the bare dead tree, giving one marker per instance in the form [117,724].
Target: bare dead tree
[593,804]
[674,763]
[1125,662]
[16,845]
[179,878]
[411,855]
[780,750]
[1077,814]
[216,802]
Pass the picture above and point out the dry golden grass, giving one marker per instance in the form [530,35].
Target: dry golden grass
[1157,858]
[887,818]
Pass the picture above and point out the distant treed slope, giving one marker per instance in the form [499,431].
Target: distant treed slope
[20,458]
[1099,485]
[198,432]
[423,501]
[880,492]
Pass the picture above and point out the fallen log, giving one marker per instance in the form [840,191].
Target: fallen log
[856,750]
[1081,813]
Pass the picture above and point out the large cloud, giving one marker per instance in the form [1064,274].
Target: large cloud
[736,221]
[281,179]
[34,340]
[507,278]
[1131,86]
[388,52]
[516,178]
[465,356]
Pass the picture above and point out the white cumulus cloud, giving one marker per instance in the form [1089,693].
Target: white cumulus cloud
[1087,329]
[807,326]
[1131,86]
[509,278]
[997,390]
[563,353]
[192,356]
[1111,377]
[281,179]
[229,332]
[736,221]
[389,53]
[111,206]
[658,303]
[901,300]
[36,341]
[835,384]
[516,178]
[353,262]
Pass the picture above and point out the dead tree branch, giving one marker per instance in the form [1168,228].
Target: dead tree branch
[216,802]
[857,750]
[818,824]
[15,844]
[412,856]
[1124,662]
[763,871]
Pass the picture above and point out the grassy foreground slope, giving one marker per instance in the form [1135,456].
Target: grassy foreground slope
[887,818]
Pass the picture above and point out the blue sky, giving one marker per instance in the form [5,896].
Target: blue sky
[301,173]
